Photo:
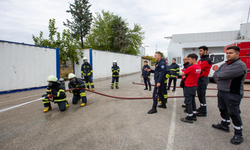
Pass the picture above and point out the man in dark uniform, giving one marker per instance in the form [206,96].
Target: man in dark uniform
[77,94]
[115,75]
[56,94]
[186,64]
[205,64]
[87,72]
[230,78]
[174,73]
[146,76]
[159,77]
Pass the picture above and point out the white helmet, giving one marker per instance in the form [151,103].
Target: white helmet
[85,58]
[71,75]
[114,61]
[52,78]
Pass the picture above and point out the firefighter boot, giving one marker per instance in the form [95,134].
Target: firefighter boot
[153,110]
[83,104]
[47,109]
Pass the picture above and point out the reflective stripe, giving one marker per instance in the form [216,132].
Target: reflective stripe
[60,100]
[82,72]
[45,101]
[203,104]
[91,71]
[92,83]
[194,112]
[189,115]
[167,76]
[173,69]
[173,75]
[166,96]
[238,128]
[47,90]
[82,94]
[224,120]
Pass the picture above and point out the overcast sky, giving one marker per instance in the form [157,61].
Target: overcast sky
[19,19]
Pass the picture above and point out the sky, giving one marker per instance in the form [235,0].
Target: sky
[19,20]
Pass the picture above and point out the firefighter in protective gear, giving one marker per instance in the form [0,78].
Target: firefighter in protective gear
[87,73]
[115,74]
[78,94]
[56,94]
[174,73]
[165,92]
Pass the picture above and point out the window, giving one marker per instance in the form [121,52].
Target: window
[178,60]
[216,58]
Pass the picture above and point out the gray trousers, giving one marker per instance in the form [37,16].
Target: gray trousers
[229,106]
[201,92]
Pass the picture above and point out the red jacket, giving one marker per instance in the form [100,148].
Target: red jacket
[205,64]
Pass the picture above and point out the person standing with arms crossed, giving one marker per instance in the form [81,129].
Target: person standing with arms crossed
[159,77]
[186,64]
[146,76]
[230,78]
[191,75]
[205,64]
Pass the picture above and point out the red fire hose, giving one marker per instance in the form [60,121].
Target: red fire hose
[181,87]
[134,98]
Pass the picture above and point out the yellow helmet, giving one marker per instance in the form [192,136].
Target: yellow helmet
[71,75]
[52,78]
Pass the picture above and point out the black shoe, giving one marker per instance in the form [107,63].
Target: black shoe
[149,89]
[198,110]
[186,120]
[237,139]
[153,110]
[173,90]
[184,106]
[185,110]
[168,89]
[194,118]
[199,114]
[220,127]
[146,89]
[162,106]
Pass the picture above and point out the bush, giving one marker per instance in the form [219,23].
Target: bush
[65,71]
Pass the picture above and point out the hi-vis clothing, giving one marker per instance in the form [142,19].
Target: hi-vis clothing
[165,92]
[115,71]
[78,93]
[86,69]
[174,70]
[59,96]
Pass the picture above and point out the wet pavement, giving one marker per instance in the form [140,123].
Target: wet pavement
[110,124]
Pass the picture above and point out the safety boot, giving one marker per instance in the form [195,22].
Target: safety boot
[146,89]
[82,104]
[149,88]
[187,120]
[93,89]
[221,127]
[162,106]
[153,110]
[184,106]
[117,87]
[47,109]
[237,139]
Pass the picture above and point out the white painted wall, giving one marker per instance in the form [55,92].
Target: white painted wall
[25,66]
[103,60]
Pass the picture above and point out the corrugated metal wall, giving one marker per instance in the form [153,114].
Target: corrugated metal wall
[102,62]
[25,66]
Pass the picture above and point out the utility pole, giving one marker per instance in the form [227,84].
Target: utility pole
[248,14]
[156,48]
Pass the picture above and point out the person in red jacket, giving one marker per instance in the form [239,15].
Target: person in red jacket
[205,64]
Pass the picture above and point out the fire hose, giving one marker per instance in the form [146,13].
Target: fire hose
[181,87]
[134,98]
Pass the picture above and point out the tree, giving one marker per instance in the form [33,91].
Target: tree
[82,19]
[69,48]
[110,32]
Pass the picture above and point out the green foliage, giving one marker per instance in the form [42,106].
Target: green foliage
[153,61]
[82,19]
[110,32]
[69,47]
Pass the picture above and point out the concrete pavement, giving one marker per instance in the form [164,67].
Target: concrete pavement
[106,123]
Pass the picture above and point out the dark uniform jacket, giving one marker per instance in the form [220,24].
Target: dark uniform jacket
[205,64]
[115,71]
[174,70]
[160,71]
[58,92]
[86,69]
[230,77]
[80,83]
[186,65]
[145,74]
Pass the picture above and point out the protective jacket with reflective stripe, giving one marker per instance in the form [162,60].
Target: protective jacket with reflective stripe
[115,71]
[78,83]
[174,70]
[58,92]
[86,69]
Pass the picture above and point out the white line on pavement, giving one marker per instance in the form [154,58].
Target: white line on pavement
[20,98]
[170,144]
[20,105]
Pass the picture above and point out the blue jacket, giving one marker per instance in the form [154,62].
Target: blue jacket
[174,70]
[115,71]
[145,74]
[160,71]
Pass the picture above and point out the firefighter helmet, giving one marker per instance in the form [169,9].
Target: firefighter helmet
[52,78]
[71,75]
